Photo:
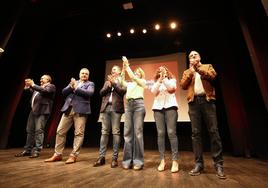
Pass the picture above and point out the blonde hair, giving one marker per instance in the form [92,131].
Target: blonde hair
[141,72]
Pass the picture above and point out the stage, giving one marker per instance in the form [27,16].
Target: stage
[26,172]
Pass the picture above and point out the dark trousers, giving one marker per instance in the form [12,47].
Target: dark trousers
[35,132]
[201,109]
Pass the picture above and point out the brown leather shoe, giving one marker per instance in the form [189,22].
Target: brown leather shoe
[54,158]
[70,160]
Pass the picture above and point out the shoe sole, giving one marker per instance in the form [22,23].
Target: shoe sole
[221,177]
[195,174]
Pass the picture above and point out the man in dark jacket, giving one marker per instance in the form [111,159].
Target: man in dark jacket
[41,103]
[112,108]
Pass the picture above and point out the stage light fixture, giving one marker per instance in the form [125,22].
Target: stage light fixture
[108,35]
[144,31]
[132,31]
[173,25]
[119,34]
[157,26]
[1,50]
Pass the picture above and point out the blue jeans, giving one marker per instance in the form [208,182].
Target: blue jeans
[200,109]
[167,118]
[35,132]
[133,133]
[110,120]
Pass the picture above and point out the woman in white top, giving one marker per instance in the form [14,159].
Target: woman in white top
[165,114]
[133,154]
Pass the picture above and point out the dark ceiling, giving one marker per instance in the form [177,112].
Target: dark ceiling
[84,23]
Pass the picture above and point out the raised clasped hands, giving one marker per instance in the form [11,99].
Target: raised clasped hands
[73,83]
[125,61]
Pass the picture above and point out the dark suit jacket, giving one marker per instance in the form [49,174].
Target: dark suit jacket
[78,98]
[43,101]
[117,97]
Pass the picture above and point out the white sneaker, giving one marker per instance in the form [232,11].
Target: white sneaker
[161,166]
[175,167]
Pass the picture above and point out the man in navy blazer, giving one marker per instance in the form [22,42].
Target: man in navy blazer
[75,111]
[41,104]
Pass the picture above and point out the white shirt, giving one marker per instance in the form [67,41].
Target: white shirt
[198,86]
[164,99]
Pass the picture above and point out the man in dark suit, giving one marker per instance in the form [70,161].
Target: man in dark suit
[41,103]
[112,108]
[75,111]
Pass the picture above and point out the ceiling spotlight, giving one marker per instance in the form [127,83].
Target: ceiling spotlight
[157,27]
[144,31]
[132,31]
[173,25]
[1,50]
[108,35]
[119,34]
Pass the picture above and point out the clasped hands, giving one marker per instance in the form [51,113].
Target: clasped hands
[73,83]
[125,62]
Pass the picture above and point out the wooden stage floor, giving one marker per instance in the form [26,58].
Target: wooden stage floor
[26,172]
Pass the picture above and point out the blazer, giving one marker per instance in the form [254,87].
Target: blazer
[79,98]
[207,74]
[42,99]
[118,93]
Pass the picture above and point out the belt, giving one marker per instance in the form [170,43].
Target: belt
[200,95]
[129,100]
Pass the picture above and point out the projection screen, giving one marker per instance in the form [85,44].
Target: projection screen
[176,63]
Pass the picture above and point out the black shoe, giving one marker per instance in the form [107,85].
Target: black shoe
[196,171]
[114,163]
[100,161]
[220,173]
[23,153]
[34,155]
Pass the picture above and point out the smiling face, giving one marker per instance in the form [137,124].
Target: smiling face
[139,73]
[84,74]
[116,70]
[45,79]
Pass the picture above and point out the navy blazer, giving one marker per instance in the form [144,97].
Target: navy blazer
[79,98]
[43,101]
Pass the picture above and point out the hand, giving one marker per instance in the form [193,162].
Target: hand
[192,69]
[161,77]
[125,61]
[73,83]
[110,78]
[124,58]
